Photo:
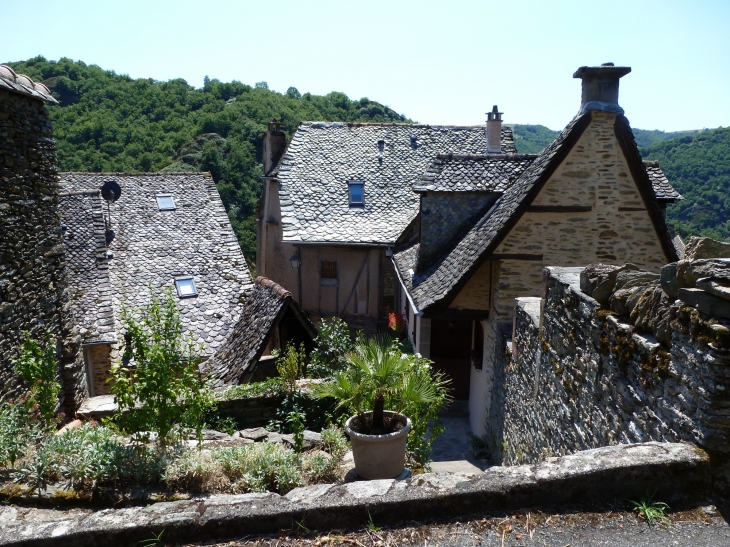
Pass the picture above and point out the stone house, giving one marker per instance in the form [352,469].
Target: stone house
[335,200]
[32,258]
[132,236]
[488,225]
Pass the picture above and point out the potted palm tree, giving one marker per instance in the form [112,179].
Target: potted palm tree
[379,377]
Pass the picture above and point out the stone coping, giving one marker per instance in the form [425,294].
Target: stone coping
[674,471]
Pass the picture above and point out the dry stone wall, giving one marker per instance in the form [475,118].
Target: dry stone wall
[580,376]
[31,245]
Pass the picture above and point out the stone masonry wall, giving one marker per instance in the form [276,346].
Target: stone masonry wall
[31,245]
[579,376]
[616,230]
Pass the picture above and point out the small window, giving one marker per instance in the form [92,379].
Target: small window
[357,194]
[329,270]
[185,287]
[165,202]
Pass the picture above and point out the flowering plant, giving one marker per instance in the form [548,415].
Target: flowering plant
[396,322]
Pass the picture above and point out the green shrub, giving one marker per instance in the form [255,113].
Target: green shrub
[260,467]
[18,433]
[193,470]
[334,442]
[321,467]
[36,364]
[291,366]
[332,344]
[157,384]
[88,457]
[318,412]
[272,386]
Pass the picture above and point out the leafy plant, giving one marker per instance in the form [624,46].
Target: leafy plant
[332,344]
[479,446]
[296,420]
[377,376]
[154,540]
[260,467]
[291,366]
[334,441]
[36,364]
[651,509]
[318,412]
[157,385]
[18,432]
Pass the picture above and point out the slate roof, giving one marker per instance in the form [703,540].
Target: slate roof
[89,290]
[662,189]
[22,84]
[321,158]
[436,282]
[263,307]
[473,173]
[151,247]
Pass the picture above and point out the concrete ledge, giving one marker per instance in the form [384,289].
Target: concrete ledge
[674,470]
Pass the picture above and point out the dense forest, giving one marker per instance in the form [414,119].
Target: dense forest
[111,122]
[699,168]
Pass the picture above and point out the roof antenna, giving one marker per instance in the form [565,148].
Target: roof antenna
[110,191]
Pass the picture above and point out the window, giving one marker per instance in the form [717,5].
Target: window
[357,194]
[165,202]
[185,287]
[329,270]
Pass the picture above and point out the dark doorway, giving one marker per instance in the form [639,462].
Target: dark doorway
[451,353]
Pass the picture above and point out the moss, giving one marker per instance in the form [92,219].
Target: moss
[66,495]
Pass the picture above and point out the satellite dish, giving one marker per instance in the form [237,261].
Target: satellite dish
[111,191]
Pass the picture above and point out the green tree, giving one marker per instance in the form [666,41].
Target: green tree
[157,385]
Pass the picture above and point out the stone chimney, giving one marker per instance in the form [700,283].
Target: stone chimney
[494,131]
[274,145]
[600,87]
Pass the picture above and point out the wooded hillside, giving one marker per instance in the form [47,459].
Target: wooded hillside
[111,122]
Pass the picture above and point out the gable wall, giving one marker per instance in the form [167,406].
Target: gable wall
[596,174]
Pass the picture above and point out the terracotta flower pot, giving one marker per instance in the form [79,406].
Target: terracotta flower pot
[379,456]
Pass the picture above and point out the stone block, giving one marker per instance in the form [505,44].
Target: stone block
[689,271]
[599,280]
[705,247]
[706,303]
[716,287]
[668,280]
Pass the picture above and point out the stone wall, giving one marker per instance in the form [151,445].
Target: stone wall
[614,228]
[31,244]
[579,375]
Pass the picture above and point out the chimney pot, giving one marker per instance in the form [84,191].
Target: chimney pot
[494,131]
[600,87]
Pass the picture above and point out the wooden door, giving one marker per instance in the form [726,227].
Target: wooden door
[450,353]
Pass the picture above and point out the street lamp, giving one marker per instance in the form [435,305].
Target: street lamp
[295,260]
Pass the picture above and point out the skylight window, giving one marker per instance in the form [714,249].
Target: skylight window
[165,202]
[185,286]
[357,194]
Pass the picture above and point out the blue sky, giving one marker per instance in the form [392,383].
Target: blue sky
[437,62]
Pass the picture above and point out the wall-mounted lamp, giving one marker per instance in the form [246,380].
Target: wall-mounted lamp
[295,260]
[389,252]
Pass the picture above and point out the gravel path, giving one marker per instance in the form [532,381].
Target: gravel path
[701,527]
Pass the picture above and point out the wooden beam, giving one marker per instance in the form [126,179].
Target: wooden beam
[559,209]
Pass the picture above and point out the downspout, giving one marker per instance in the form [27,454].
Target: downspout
[299,275]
